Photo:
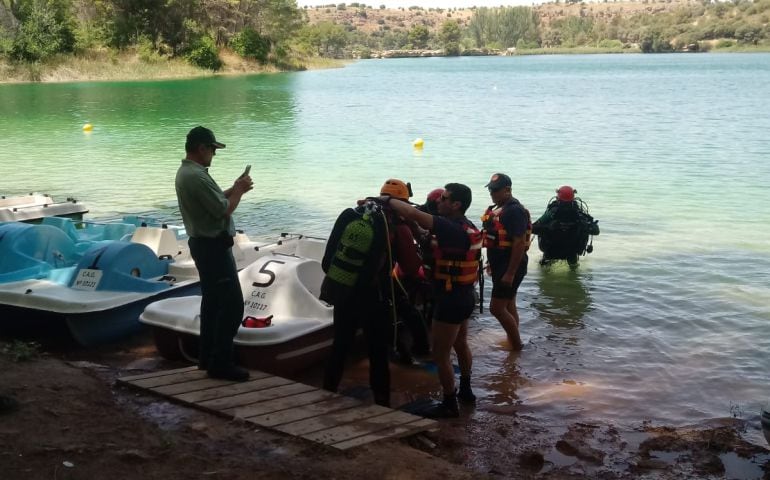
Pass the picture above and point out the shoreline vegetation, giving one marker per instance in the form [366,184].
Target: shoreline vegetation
[114,40]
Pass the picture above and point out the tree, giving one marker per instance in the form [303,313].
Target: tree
[46,28]
[419,36]
[449,35]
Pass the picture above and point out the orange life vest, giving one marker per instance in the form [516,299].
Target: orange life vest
[494,233]
[456,266]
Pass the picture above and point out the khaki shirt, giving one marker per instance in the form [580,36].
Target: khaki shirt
[202,203]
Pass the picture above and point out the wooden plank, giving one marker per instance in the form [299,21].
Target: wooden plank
[180,377]
[191,386]
[366,426]
[131,378]
[333,419]
[206,384]
[200,395]
[420,425]
[306,411]
[284,403]
[282,388]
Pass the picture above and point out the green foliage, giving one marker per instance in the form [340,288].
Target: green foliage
[325,39]
[503,26]
[250,44]
[607,43]
[47,28]
[147,52]
[419,36]
[205,55]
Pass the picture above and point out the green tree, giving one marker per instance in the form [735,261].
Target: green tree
[250,44]
[449,35]
[46,28]
[204,54]
[419,36]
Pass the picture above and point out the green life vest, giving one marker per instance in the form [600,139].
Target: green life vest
[354,252]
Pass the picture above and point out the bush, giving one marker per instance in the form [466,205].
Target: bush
[452,49]
[43,33]
[724,43]
[250,44]
[607,43]
[204,54]
[146,51]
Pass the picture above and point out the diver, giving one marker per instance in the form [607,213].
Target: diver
[564,231]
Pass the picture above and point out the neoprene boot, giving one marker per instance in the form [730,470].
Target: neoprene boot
[447,408]
[465,394]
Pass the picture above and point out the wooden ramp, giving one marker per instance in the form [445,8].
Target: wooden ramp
[284,405]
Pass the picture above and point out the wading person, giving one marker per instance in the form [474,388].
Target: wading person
[207,215]
[358,280]
[507,230]
[456,250]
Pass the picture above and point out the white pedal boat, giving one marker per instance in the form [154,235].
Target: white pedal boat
[35,206]
[98,287]
[282,286]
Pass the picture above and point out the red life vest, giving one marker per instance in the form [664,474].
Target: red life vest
[457,266]
[495,235]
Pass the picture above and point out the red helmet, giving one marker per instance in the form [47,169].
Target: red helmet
[566,193]
[434,195]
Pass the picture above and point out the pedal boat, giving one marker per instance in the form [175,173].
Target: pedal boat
[285,327]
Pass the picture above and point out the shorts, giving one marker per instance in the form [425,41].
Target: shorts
[508,292]
[455,308]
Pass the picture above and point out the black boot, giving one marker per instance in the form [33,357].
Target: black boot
[448,408]
[465,394]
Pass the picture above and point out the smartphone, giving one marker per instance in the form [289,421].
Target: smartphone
[246,172]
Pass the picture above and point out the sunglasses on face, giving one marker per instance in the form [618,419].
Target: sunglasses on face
[445,198]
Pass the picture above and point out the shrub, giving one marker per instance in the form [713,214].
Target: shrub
[607,43]
[724,43]
[146,51]
[204,54]
[250,44]
[43,32]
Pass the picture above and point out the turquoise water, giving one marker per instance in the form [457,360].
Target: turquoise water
[667,319]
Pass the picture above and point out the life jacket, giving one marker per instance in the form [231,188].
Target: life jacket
[495,235]
[456,266]
[354,252]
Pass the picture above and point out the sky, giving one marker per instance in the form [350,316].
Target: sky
[423,3]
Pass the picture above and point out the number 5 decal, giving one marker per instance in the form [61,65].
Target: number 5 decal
[267,272]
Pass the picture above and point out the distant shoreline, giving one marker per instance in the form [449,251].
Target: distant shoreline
[126,67]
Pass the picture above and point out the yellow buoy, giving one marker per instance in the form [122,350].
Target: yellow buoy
[88,127]
[418,143]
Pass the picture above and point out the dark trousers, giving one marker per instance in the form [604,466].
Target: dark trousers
[222,302]
[363,309]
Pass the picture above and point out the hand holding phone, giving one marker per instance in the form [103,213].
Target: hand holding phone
[246,172]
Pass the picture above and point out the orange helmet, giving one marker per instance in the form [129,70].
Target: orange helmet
[396,189]
[566,193]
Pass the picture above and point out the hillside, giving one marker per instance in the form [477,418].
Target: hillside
[369,19]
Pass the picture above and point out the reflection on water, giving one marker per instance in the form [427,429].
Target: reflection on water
[562,300]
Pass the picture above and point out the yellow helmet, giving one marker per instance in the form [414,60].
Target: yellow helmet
[396,189]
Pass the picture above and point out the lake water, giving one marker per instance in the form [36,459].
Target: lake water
[666,321]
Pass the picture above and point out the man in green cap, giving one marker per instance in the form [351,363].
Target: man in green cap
[207,214]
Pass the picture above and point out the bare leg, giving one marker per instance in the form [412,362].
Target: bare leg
[444,336]
[463,351]
[501,309]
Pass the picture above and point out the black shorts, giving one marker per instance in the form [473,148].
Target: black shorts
[508,292]
[456,307]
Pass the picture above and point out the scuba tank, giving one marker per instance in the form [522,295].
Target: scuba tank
[354,252]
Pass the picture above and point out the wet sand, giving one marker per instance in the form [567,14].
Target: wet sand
[71,411]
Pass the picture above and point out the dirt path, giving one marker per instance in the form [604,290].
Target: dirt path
[73,422]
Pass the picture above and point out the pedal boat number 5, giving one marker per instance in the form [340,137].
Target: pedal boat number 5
[285,327]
